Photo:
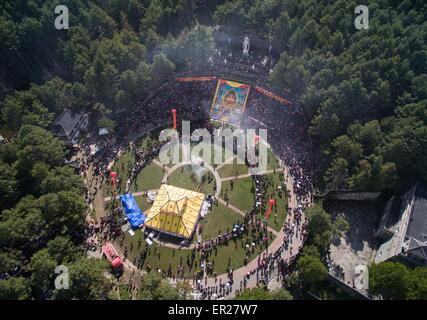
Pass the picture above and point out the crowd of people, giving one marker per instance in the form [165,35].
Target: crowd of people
[287,135]
[269,265]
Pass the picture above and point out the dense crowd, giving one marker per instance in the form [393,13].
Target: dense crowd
[287,135]
[269,265]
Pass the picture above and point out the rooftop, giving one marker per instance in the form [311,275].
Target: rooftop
[175,211]
[417,226]
[66,123]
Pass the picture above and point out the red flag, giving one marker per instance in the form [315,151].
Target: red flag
[174,118]
[271,203]
[113,176]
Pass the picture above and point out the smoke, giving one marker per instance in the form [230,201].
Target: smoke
[197,168]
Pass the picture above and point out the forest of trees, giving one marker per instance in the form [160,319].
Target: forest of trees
[112,55]
[364,93]
[392,280]
[42,221]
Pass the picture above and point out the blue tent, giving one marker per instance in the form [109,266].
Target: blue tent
[134,214]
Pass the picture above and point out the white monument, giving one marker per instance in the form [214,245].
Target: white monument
[361,277]
[246,47]
[264,61]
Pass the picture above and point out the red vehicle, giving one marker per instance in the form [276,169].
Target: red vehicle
[112,256]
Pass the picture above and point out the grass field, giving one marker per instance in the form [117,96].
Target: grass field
[142,203]
[272,161]
[122,166]
[149,178]
[242,193]
[230,170]
[219,219]
[163,257]
[184,178]
[281,207]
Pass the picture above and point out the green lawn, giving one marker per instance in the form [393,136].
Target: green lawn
[122,166]
[184,178]
[230,170]
[272,161]
[208,187]
[142,202]
[281,207]
[242,194]
[220,219]
[149,178]
[163,257]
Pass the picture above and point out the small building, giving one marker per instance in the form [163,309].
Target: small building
[68,126]
[175,211]
[403,228]
[134,214]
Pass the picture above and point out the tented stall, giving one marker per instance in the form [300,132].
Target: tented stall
[133,213]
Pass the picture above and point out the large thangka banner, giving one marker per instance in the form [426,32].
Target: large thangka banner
[229,102]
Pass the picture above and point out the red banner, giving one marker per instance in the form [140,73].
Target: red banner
[271,203]
[272,95]
[194,79]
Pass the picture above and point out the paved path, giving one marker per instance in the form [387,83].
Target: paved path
[206,165]
[246,175]
[240,273]
[231,159]
[135,194]
[242,213]
[158,163]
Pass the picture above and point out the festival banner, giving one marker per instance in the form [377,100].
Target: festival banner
[195,79]
[272,95]
[229,102]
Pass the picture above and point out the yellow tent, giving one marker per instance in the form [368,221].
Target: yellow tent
[175,211]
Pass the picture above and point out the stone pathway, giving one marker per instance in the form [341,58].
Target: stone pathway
[240,273]
[231,159]
[247,175]
[206,165]
[158,163]
[135,194]
[242,213]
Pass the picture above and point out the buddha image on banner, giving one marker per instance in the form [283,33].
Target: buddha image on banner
[229,102]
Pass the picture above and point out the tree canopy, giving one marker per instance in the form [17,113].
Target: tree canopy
[42,222]
[395,281]
[260,293]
